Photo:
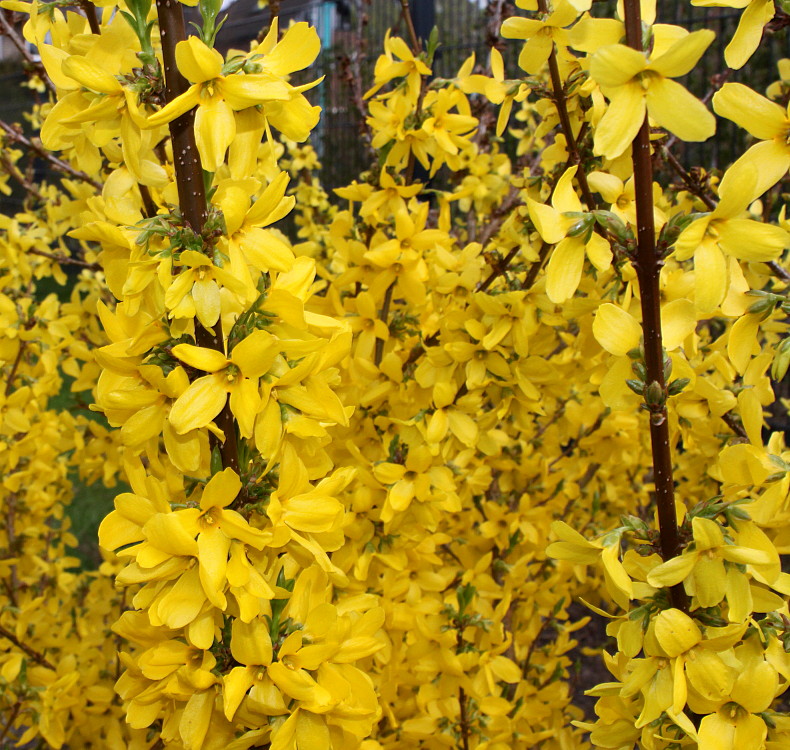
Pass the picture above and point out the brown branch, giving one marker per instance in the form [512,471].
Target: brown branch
[383,315]
[464,719]
[778,270]
[16,135]
[65,260]
[561,102]
[90,12]
[734,424]
[148,202]
[499,214]
[648,267]
[415,42]
[31,652]
[13,549]
[697,188]
[534,270]
[7,29]
[191,192]
[11,719]
[14,367]
[498,269]
[14,171]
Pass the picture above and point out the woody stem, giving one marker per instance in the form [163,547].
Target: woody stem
[648,267]
[191,192]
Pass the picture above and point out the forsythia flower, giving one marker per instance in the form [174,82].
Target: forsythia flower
[635,84]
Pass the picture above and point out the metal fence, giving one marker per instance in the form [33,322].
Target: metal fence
[462,31]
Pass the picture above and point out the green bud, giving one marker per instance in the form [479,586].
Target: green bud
[781,360]
[655,394]
[216,460]
[581,226]
[676,386]
[612,224]
[639,370]
[764,305]
[667,367]
[637,386]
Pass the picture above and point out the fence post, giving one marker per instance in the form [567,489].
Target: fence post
[423,15]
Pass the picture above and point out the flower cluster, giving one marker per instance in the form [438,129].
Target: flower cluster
[374,484]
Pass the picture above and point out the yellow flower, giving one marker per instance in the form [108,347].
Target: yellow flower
[749,33]
[702,569]
[196,289]
[734,721]
[407,66]
[766,121]
[218,94]
[575,548]
[540,34]
[720,233]
[249,243]
[564,270]
[635,85]
[237,375]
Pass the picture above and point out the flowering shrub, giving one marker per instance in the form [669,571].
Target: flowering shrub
[379,472]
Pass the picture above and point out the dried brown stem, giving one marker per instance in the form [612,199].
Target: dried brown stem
[191,192]
[648,266]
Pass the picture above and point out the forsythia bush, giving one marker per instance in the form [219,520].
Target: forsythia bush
[380,472]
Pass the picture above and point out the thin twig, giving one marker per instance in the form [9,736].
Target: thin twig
[31,652]
[65,260]
[415,42]
[560,100]
[14,171]
[7,29]
[383,315]
[14,367]
[694,186]
[11,719]
[16,135]
[734,424]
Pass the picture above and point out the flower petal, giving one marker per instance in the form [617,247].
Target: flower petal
[749,110]
[675,109]
[199,404]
